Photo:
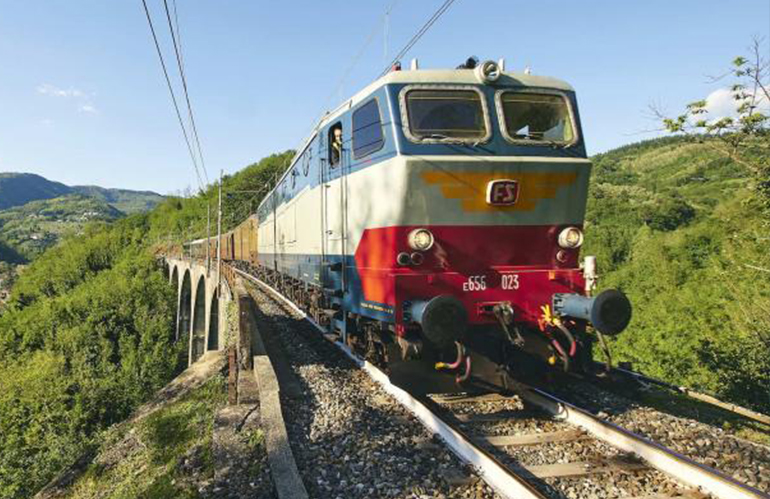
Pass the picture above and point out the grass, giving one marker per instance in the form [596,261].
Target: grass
[162,456]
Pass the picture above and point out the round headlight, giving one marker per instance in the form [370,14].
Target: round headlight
[570,238]
[420,239]
[488,72]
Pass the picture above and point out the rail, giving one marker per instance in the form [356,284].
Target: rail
[512,484]
[666,460]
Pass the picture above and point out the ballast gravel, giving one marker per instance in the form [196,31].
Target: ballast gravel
[349,437]
[747,462]
[620,484]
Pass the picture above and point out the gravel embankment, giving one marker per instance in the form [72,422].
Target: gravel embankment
[349,437]
[745,461]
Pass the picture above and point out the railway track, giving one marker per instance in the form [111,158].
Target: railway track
[570,453]
[573,453]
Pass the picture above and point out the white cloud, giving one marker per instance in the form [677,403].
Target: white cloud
[48,89]
[721,103]
[83,99]
[46,122]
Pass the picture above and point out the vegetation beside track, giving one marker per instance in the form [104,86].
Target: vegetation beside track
[166,455]
[681,229]
[88,331]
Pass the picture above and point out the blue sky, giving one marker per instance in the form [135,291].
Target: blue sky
[83,100]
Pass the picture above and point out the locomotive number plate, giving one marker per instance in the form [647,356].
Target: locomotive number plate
[508,282]
[475,283]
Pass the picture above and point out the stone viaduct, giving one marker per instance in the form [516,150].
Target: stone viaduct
[201,305]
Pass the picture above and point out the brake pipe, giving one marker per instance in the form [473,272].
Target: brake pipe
[456,363]
[570,338]
[605,349]
[467,374]
[564,356]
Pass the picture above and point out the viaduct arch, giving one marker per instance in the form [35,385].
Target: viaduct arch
[199,305]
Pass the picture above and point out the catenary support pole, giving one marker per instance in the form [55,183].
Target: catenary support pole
[219,236]
[208,238]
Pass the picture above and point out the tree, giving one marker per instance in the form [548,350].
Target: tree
[744,138]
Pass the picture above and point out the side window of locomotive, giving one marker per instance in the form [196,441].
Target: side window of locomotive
[367,130]
[439,114]
[306,160]
[335,144]
[533,118]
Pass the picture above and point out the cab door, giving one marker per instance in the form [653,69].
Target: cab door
[334,206]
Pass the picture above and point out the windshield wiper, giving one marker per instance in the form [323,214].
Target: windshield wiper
[437,136]
[451,140]
[548,142]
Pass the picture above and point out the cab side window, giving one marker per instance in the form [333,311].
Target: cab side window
[335,144]
[367,129]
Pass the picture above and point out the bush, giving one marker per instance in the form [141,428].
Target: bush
[670,215]
[88,336]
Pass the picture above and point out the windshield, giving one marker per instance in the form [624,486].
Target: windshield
[446,114]
[536,117]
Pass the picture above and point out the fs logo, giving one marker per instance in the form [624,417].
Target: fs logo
[502,192]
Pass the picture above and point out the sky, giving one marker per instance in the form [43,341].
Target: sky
[83,99]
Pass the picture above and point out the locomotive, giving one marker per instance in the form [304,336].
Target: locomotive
[433,222]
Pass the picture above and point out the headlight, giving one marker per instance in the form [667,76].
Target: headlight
[488,72]
[570,238]
[420,239]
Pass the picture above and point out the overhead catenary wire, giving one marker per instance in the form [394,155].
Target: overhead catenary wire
[173,96]
[360,53]
[430,22]
[177,41]
[354,61]
[385,20]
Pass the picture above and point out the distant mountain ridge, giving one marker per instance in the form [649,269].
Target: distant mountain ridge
[18,189]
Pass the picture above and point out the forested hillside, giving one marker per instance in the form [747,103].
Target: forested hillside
[31,228]
[88,333]
[681,230]
[35,213]
[124,200]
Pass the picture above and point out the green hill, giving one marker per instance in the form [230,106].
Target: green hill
[129,202]
[21,188]
[17,189]
[29,229]
[88,333]
[680,230]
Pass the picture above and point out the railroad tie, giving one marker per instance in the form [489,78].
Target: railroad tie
[535,438]
[560,470]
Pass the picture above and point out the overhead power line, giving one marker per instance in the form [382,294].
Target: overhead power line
[180,65]
[173,96]
[430,22]
[357,57]
[354,61]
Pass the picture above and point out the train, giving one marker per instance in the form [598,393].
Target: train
[434,223]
